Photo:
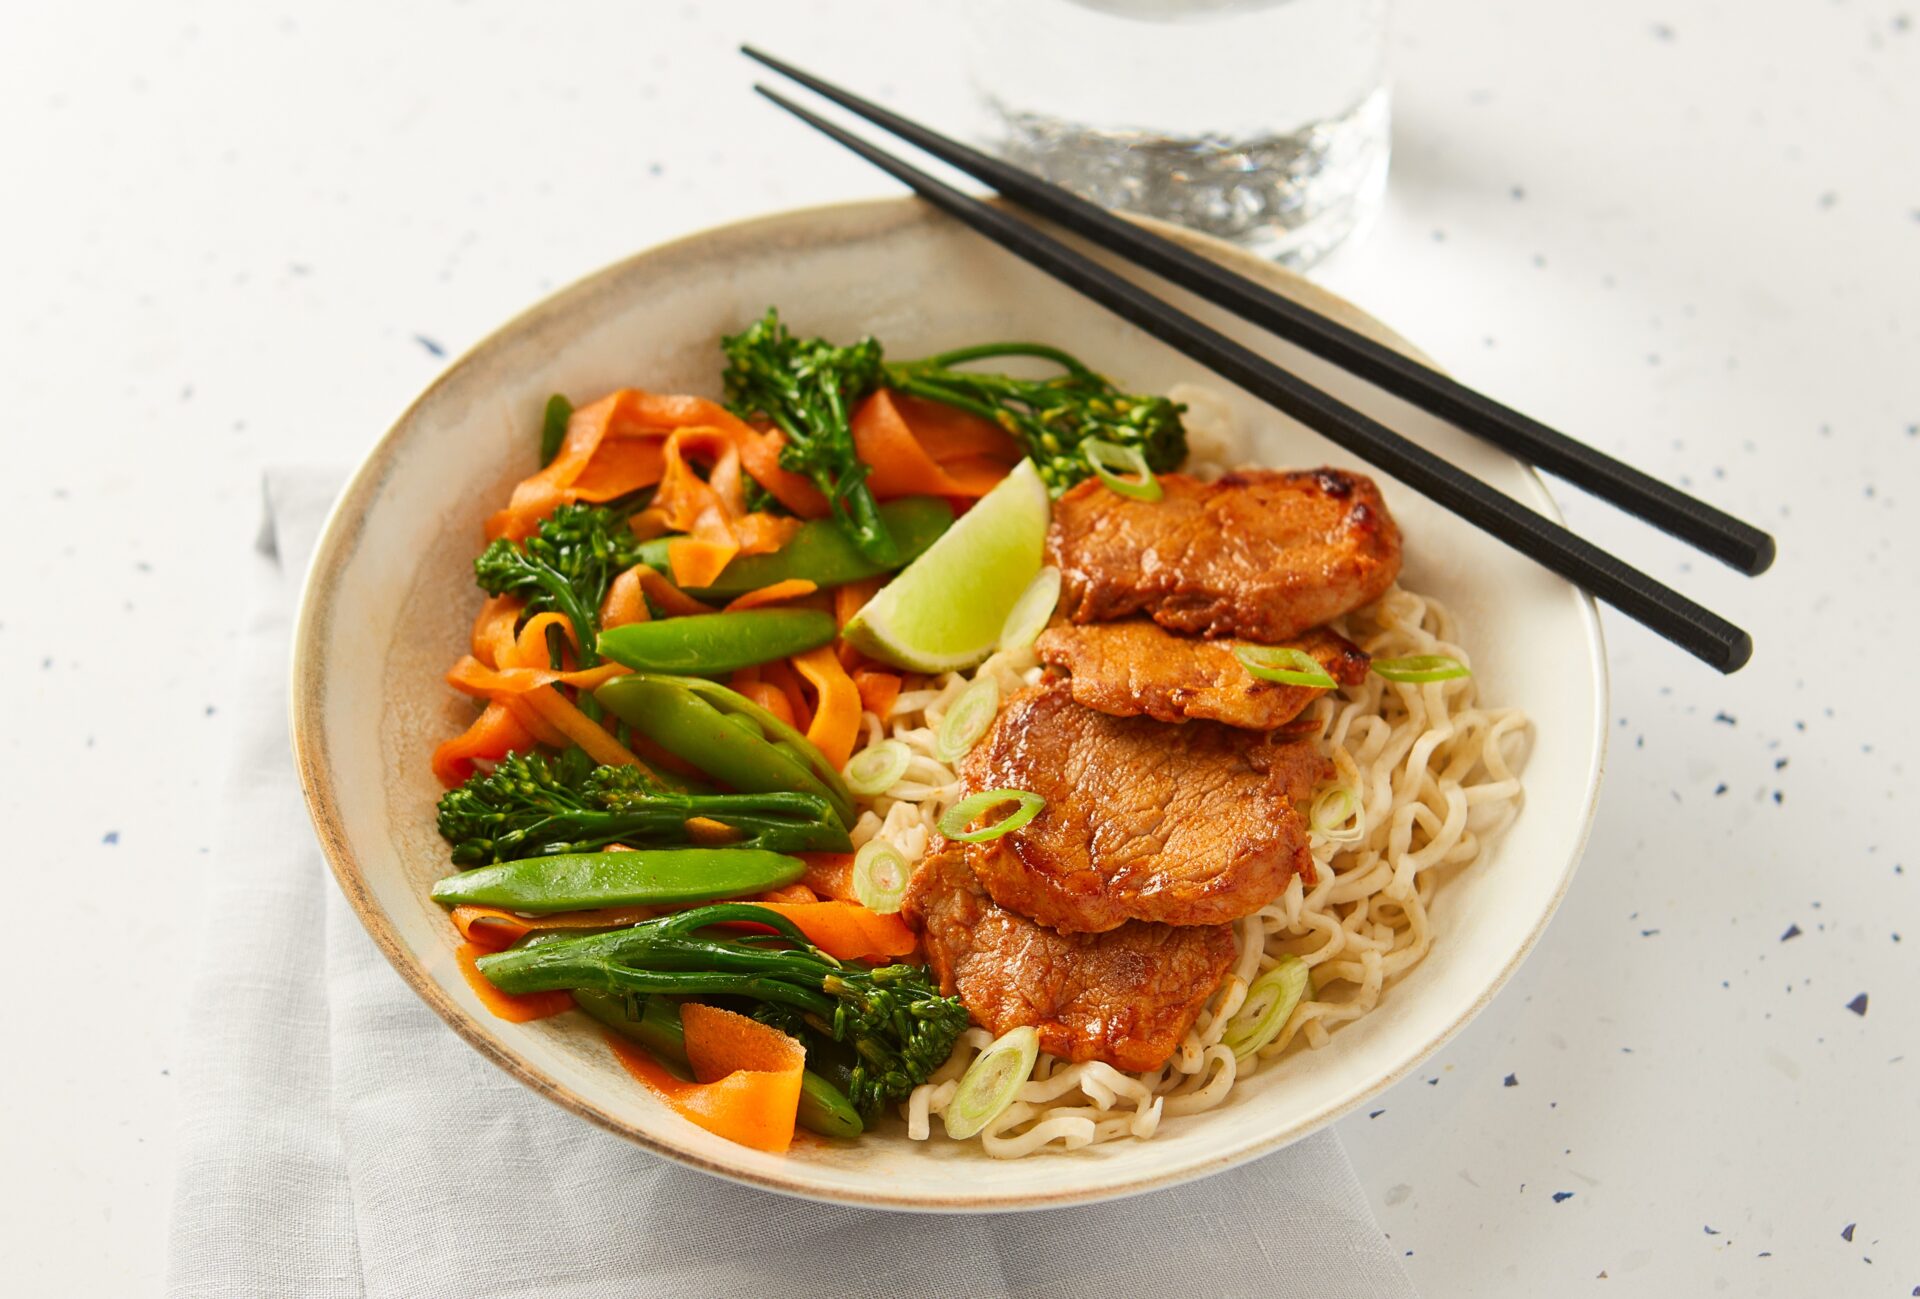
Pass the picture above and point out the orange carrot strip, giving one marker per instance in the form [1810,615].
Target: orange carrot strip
[493,734]
[847,931]
[760,457]
[582,730]
[515,1008]
[836,719]
[849,599]
[830,874]
[749,1077]
[615,418]
[974,475]
[791,893]
[852,597]
[493,629]
[472,677]
[900,465]
[671,600]
[493,929]
[790,589]
[696,562]
[781,676]
[617,445]
[950,434]
[531,721]
[761,533]
[770,697]
[625,601]
[878,690]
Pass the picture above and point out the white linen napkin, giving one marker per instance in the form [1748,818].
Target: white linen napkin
[320,1155]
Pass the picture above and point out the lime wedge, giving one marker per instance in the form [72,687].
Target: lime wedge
[945,610]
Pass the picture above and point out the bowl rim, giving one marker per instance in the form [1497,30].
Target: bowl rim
[340,535]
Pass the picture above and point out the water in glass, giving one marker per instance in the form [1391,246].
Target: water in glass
[1260,121]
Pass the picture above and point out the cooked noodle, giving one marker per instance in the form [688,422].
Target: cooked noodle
[1434,774]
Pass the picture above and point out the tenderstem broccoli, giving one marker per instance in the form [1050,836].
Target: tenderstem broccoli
[565,567]
[530,806]
[898,1026]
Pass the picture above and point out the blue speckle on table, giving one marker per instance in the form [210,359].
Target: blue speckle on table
[1709,1230]
[1510,1081]
[433,348]
[1720,789]
[1858,1005]
[1376,1114]
[1727,719]
[1560,1197]
[1793,931]
[1846,1232]
[110,837]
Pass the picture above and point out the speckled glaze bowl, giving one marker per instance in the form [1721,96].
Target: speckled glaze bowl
[390,597]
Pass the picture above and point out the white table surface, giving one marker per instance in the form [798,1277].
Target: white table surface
[1688,231]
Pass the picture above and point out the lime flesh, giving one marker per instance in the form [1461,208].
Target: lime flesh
[945,610]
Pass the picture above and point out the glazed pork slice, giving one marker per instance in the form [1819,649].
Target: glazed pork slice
[1127,996]
[1262,554]
[1137,667]
[1188,825]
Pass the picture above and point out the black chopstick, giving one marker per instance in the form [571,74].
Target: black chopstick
[1697,630]
[1730,540]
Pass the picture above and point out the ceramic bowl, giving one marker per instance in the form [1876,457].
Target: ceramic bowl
[390,597]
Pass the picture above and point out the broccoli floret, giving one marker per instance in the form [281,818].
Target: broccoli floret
[528,806]
[565,567]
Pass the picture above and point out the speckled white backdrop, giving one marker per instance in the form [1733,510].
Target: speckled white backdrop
[1689,230]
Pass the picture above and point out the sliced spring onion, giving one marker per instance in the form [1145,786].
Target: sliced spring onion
[992,1081]
[1032,611]
[1122,469]
[1282,663]
[880,876]
[955,820]
[1332,810]
[972,713]
[876,768]
[1418,669]
[1270,1002]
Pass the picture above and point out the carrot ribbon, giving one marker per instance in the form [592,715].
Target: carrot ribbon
[747,1077]
[846,930]
[835,724]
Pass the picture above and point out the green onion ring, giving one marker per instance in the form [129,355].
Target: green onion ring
[1331,809]
[972,713]
[1032,611]
[880,876]
[955,820]
[1110,461]
[876,768]
[1270,1001]
[1418,669]
[991,1082]
[1284,664]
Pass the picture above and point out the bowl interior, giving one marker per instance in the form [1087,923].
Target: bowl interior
[390,597]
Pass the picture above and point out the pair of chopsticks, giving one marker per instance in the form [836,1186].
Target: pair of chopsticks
[1697,630]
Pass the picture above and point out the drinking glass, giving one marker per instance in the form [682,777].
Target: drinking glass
[1260,121]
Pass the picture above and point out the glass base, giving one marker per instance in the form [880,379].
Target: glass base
[1292,198]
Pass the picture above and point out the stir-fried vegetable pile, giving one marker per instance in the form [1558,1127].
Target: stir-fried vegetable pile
[643,750]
